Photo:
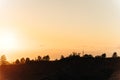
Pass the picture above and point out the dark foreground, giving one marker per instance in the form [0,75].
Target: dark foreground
[66,69]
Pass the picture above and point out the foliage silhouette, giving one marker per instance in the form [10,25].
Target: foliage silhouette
[39,58]
[114,55]
[62,57]
[72,67]
[27,60]
[87,56]
[103,55]
[22,60]
[3,60]
[46,58]
[17,61]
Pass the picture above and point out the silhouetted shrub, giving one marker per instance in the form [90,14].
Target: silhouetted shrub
[114,55]
[22,61]
[39,58]
[62,57]
[103,55]
[3,60]
[87,56]
[27,60]
[46,58]
[17,61]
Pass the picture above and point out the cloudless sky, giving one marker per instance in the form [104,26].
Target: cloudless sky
[58,27]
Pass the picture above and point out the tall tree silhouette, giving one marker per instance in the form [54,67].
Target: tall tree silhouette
[3,60]
[39,58]
[22,60]
[114,55]
[27,60]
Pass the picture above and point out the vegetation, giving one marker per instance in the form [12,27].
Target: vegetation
[72,67]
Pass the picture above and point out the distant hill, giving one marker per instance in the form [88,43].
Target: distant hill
[72,68]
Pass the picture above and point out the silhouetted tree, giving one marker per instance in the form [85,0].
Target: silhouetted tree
[74,54]
[39,58]
[27,60]
[22,60]
[3,60]
[87,56]
[103,55]
[114,55]
[62,57]
[46,58]
[17,61]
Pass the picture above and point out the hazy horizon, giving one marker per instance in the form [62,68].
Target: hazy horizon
[36,27]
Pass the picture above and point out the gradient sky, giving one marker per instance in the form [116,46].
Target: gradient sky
[58,27]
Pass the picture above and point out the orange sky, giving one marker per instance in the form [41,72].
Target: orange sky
[39,27]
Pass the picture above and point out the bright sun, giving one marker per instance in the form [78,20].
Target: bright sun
[8,41]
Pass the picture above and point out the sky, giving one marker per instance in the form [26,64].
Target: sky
[29,28]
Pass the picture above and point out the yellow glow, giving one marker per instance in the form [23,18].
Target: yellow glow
[35,27]
[8,41]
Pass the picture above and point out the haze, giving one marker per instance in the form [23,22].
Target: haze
[58,27]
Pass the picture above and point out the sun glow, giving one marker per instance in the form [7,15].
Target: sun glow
[8,41]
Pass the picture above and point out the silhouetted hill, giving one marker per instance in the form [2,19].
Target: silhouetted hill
[72,68]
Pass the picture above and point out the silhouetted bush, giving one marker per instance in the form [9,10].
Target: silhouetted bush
[114,55]
[17,61]
[39,58]
[46,58]
[72,67]
[62,57]
[3,60]
[22,61]
[103,55]
[88,56]
[27,60]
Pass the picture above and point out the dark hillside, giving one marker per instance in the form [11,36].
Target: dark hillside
[65,69]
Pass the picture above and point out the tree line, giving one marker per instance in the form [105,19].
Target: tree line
[3,59]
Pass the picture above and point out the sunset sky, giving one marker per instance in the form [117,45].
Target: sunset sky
[29,28]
